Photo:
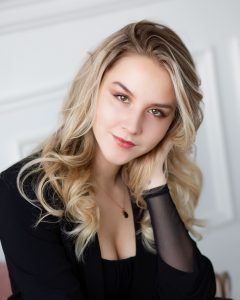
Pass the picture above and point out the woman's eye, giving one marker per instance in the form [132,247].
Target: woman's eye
[156,112]
[122,98]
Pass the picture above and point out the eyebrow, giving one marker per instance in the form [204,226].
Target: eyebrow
[123,87]
[154,104]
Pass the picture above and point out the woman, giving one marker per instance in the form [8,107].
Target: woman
[111,194]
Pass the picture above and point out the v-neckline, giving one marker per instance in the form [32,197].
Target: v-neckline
[144,262]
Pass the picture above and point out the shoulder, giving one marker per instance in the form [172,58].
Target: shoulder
[8,180]
[14,208]
[8,177]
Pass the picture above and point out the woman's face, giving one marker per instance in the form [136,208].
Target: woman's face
[135,107]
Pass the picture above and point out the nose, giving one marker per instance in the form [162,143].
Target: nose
[133,123]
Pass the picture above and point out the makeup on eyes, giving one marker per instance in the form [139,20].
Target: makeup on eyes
[123,87]
[119,95]
[160,105]
[162,113]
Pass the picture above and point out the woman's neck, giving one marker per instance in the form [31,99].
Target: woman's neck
[106,174]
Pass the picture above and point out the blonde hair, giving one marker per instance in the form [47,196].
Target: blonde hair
[65,159]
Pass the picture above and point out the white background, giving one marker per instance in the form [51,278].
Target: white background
[42,44]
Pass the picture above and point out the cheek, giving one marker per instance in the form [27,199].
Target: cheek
[106,111]
[158,132]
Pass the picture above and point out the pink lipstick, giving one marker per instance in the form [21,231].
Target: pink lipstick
[123,143]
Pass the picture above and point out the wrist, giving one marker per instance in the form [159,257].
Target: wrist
[156,182]
[156,191]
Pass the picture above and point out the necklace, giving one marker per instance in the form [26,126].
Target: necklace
[124,211]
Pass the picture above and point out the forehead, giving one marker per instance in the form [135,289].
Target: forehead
[138,61]
[142,75]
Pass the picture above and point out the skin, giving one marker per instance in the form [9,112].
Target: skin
[141,115]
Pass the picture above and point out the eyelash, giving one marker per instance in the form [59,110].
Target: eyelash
[121,95]
[161,113]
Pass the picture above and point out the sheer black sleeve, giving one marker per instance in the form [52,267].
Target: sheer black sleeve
[183,270]
[172,240]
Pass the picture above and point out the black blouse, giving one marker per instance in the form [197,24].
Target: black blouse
[42,263]
[117,277]
[173,244]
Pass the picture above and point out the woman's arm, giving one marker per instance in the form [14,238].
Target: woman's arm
[183,272]
[172,240]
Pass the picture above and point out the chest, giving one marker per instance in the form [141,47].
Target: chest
[116,234]
[90,272]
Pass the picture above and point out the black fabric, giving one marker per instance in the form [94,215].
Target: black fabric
[36,258]
[175,248]
[42,263]
[172,240]
[117,278]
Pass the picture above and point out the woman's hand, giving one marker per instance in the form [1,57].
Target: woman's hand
[158,177]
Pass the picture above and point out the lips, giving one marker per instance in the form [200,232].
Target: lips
[123,143]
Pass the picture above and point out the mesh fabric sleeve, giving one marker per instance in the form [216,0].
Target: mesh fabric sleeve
[184,273]
[171,237]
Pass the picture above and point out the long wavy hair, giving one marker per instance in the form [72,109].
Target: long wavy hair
[64,160]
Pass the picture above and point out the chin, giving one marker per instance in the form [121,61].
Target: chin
[117,159]
[118,162]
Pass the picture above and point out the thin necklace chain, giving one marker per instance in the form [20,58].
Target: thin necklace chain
[124,211]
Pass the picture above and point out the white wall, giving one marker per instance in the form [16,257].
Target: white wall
[42,44]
